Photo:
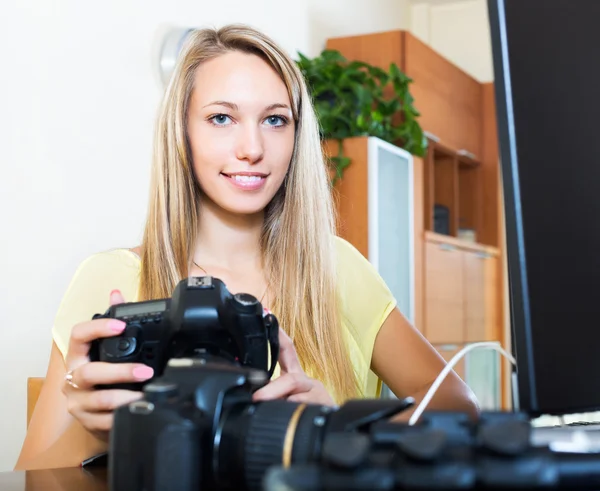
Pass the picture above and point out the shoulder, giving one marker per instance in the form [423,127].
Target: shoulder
[347,254]
[355,273]
[113,258]
[88,291]
[114,266]
[365,297]
[114,269]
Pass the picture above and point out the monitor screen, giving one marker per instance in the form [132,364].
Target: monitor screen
[547,85]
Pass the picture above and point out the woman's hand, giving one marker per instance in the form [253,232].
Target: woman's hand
[94,408]
[293,384]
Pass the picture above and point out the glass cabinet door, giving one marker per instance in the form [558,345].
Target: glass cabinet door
[391,224]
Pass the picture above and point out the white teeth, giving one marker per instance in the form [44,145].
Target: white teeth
[247,178]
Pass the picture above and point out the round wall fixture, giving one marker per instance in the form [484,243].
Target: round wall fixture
[169,51]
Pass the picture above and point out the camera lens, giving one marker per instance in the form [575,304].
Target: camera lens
[252,438]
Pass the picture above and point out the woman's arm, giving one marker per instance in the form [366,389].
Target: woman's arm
[408,365]
[54,437]
[71,423]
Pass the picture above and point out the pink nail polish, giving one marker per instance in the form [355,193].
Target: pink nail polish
[116,325]
[143,373]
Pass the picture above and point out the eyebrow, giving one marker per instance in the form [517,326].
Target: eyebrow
[234,107]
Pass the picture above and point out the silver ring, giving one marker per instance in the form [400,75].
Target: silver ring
[69,379]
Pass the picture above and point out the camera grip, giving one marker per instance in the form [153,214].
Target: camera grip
[124,348]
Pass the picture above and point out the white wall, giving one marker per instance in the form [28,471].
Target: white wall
[459,30]
[78,94]
[335,18]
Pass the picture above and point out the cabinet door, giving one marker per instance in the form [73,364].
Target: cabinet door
[448,99]
[481,296]
[391,229]
[448,351]
[492,300]
[474,289]
[444,301]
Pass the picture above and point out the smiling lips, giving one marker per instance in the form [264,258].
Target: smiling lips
[248,181]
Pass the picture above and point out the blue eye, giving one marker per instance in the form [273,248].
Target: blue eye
[276,121]
[220,119]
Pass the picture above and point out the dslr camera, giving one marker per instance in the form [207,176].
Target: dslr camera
[202,319]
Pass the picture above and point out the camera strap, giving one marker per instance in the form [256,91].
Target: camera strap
[273,333]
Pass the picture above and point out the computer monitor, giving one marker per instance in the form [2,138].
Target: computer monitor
[547,86]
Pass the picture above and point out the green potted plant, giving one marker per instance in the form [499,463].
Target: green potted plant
[353,98]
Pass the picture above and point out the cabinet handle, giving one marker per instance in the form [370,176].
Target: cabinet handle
[466,153]
[448,347]
[431,136]
[483,255]
[447,247]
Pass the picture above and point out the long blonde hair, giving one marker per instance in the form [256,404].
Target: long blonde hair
[298,234]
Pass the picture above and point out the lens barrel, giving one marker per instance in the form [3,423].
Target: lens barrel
[253,438]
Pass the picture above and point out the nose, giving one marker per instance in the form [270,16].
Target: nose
[250,145]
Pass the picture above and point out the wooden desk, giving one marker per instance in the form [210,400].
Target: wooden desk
[69,479]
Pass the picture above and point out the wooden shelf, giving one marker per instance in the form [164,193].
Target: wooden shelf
[454,192]
[461,244]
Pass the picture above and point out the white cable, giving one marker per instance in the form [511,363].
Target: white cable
[444,373]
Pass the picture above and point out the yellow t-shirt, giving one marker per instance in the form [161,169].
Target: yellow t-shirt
[366,301]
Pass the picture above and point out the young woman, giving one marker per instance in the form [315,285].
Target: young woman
[239,191]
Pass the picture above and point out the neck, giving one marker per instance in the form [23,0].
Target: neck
[228,240]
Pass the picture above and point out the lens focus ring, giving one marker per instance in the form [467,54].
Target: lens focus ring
[266,438]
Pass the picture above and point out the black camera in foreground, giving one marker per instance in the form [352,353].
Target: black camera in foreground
[197,427]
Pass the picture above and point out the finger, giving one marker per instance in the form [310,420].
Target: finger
[107,400]
[313,396]
[89,375]
[305,397]
[97,422]
[116,297]
[288,358]
[282,387]
[83,334]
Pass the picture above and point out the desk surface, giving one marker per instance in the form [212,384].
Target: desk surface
[69,479]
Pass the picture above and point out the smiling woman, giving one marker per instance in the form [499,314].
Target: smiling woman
[240,191]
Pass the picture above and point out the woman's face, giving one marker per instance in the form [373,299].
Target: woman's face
[241,131]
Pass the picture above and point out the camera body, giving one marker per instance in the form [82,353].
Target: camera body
[201,317]
[167,439]
[197,428]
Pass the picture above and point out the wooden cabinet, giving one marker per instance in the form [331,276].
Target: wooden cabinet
[461,291]
[448,99]
[459,285]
